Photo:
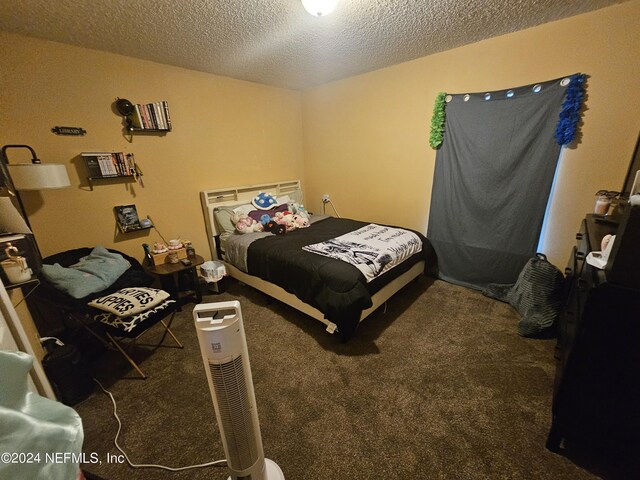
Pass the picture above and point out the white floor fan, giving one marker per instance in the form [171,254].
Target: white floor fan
[226,361]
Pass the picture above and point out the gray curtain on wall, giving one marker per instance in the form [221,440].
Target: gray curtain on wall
[493,176]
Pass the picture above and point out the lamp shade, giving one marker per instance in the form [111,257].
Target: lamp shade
[38,176]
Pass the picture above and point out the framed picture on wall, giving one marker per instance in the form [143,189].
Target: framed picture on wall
[127,216]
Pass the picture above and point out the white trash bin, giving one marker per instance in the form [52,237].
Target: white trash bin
[213,272]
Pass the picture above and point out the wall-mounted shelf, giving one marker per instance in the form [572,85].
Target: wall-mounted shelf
[148,130]
[110,165]
[128,221]
[145,117]
[134,229]
[111,177]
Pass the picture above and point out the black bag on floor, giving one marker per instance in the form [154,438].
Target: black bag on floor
[537,295]
[68,374]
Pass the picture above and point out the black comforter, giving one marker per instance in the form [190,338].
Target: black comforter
[336,288]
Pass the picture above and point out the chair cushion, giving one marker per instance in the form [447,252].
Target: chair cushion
[132,326]
[130,301]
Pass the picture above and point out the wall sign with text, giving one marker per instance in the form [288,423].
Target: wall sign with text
[75,131]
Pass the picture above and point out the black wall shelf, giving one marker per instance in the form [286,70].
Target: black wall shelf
[145,117]
[110,165]
[148,130]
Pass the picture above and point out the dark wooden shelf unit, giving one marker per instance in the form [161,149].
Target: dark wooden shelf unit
[596,401]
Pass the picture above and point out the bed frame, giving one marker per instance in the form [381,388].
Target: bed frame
[211,199]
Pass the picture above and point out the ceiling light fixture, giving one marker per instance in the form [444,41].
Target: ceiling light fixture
[319,8]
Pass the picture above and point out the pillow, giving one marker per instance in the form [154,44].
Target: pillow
[130,301]
[128,324]
[224,224]
[91,274]
[283,199]
[245,208]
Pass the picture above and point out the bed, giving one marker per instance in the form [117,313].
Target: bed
[329,290]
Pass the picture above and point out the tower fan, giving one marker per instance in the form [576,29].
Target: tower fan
[226,362]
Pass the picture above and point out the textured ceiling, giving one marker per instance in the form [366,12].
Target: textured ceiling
[276,42]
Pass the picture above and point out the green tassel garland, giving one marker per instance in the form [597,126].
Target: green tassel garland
[437,121]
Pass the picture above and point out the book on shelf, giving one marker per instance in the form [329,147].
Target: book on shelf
[154,118]
[159,115]
[151,116]
[127,216]
[136,117]
[93,166]
[113,164]
[121,166]
[151,121]
[109,166]
[99,164]
[162,116]
[165,109]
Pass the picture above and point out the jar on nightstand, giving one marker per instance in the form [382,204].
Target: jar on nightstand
[172,257]
[191,252]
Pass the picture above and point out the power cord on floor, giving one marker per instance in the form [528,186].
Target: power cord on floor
[217,463]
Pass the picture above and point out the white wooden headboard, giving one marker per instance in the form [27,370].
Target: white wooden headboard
[211,199]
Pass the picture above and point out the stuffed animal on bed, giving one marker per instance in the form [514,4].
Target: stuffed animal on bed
[264,219]
[245,224]
[285,218]
[298,209]
[275,227]
[264,201]
[300,221]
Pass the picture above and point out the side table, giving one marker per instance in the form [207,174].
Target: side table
[169,274]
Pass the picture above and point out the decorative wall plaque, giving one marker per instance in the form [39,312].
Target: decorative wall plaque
[76,131]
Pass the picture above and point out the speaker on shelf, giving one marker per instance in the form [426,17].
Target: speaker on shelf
[124,107]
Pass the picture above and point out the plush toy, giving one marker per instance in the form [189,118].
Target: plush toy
[159,247]
[264,219]
[300,221]
[298,209]
[285,218]
[302,212]
[264,201]
[275,227]
[246,224]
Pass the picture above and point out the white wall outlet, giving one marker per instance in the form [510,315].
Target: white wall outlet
[326,198]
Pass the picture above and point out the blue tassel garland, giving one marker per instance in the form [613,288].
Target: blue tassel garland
[570,114]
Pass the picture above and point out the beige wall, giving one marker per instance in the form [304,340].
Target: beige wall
[225,132]
[366,137]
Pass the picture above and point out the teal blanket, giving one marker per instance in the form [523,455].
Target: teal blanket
[91,274]
[41,435]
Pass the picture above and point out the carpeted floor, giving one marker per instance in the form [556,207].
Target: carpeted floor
[439,386]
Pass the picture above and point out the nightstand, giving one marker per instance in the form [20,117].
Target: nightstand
[181,281]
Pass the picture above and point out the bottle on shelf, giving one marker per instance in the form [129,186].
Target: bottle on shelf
[148,259]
